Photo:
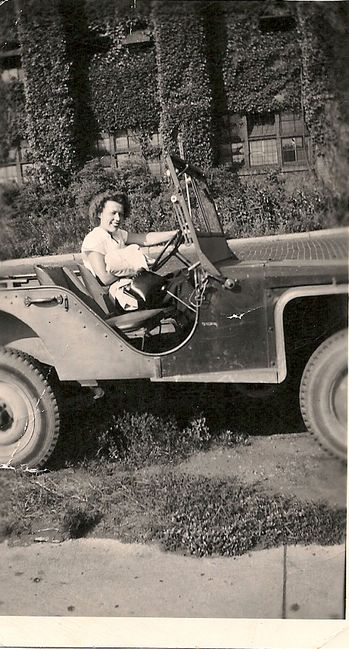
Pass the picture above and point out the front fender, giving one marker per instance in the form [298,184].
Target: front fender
[282,301]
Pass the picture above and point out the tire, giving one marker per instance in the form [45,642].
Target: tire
[29,417]
[323,394]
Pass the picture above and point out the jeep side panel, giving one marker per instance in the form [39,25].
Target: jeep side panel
[81,345]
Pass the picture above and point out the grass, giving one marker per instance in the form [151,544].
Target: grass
[119,475]
[199,516]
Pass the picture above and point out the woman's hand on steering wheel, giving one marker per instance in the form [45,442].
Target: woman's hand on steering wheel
[162,258]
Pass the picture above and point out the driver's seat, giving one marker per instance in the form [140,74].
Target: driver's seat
[98,292]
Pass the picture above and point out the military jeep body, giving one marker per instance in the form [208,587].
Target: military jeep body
[254,312]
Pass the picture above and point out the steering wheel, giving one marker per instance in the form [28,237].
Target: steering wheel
[162,257]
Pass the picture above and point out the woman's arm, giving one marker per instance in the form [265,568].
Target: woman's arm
[97,261]
[150,238]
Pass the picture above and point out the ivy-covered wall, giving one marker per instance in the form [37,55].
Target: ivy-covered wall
[204,59]
[261,69]
[8,27]
[324,34]
[49,106]
[122,80]
[12,116]
[184,84]
[12,104]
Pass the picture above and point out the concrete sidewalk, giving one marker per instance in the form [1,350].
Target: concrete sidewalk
[99,577]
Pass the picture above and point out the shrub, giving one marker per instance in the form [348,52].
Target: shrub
[38,220]
[257,208]
[45,219]
[149,208]
[42,219]
[138,440]
[78,519]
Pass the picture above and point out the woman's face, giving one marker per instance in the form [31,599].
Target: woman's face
[111,216]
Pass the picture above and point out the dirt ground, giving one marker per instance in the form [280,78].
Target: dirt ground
[288,464]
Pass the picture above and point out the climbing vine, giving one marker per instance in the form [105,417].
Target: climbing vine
[184,88]
[324,34]
[261,69]
[12,116]
[12,113]
[122,79]
[46,68]
[8,29]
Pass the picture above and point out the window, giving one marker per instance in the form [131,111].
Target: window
[15,166]
[293,150]
[11,65]
[263,152]
[250,142]
[123,147]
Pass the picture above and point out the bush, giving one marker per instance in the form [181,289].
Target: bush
[78,519]
[138,440]
[42,219]
[258,208]
[149,208]
[39,219]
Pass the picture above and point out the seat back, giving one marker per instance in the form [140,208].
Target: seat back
[50,276]
[98,292]
[78,288]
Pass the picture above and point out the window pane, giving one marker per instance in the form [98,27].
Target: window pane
[263,152]
[9,75]
[8,173]
[135,157]
[261,124]
[225,153]
[155,139]
[121,140]
[122,159]
[293,149]
[154,167]
[103,145]
[237,153]
[291,123]
[133,143]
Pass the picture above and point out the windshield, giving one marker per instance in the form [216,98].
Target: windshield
[197,214]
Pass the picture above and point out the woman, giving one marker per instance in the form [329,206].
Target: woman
[112,254]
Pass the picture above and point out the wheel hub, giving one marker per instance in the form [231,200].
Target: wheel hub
[6,416]
[14,413]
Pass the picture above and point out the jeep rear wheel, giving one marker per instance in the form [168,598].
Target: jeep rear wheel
[323,394]
[29,418]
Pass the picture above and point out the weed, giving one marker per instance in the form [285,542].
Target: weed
[195,515]
[78,519]
[138,440]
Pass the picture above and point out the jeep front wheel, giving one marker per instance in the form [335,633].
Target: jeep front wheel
[323,394]
[29,418]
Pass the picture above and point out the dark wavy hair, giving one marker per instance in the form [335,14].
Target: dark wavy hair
[99,200]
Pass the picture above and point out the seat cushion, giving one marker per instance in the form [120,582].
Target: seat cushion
[138,319]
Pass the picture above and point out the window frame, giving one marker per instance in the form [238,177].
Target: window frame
[131,149]
[19,162]
[246,137]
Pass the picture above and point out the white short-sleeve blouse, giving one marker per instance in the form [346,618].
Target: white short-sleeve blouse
[99,240]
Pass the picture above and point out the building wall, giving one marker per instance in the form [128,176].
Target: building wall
[230,82]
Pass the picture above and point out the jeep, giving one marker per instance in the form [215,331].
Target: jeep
[257,313]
